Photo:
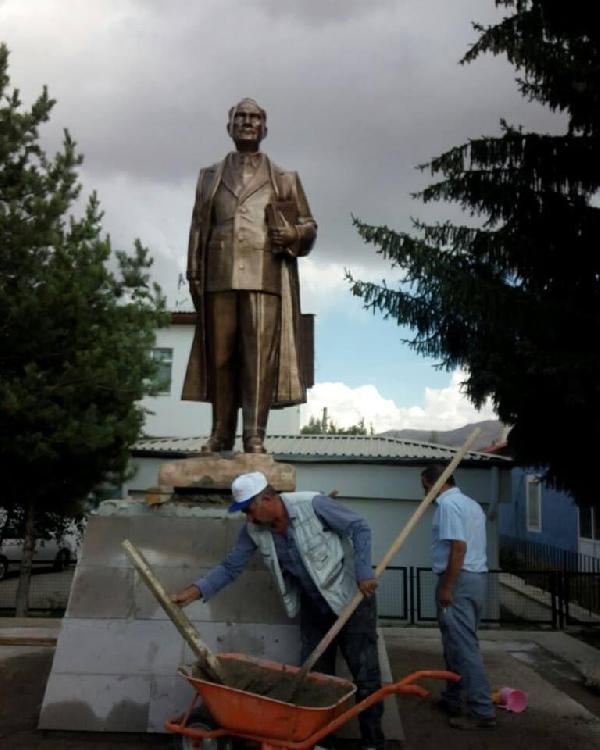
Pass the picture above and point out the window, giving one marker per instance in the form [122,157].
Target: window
[534,503]
[164,358]
[585,522]
[589,522]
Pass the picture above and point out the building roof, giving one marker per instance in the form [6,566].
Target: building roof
[183,318]
[330,449]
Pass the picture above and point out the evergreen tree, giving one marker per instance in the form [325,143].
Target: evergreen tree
[514,295]
[75,337]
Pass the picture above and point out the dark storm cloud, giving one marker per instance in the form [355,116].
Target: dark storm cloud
[358,93]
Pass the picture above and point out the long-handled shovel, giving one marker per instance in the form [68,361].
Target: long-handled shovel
[400,539]
[204,655]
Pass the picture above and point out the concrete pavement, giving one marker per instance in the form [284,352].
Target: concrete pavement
[550,666]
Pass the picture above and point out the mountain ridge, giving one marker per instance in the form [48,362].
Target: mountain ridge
[492,432]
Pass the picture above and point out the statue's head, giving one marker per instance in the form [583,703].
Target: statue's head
[247,124]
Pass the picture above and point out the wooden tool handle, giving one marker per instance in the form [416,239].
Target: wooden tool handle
[175,613]
[400,539]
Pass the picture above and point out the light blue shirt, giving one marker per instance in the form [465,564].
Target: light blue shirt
[458,517]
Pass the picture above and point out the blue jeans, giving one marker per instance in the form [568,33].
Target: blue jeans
[458,625]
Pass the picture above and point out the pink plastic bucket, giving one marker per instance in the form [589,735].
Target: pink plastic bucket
[513,700]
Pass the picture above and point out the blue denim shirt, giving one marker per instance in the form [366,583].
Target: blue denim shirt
[334,516]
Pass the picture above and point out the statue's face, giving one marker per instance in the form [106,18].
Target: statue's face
[248,125]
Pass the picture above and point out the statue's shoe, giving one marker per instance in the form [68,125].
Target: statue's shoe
[254,444]
[216,444]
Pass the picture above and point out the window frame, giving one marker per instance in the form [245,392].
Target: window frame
[533,481]
[163,356]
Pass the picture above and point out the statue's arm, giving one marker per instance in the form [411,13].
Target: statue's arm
[193,270]
[306,227]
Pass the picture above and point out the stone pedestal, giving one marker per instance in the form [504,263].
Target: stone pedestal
[214,471]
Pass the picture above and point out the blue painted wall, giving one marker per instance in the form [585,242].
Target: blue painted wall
[559,515]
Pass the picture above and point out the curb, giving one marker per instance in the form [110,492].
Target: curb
[27,641]
[29,631]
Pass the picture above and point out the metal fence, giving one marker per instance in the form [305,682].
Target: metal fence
[521,553]
[573,577]
[511,599]
[392,594]
[48,591]
[520,597]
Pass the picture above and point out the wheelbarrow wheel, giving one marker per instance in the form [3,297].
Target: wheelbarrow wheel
[201,719]
[188,743]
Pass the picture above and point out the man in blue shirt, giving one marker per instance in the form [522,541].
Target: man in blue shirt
[319,553]
[458,549]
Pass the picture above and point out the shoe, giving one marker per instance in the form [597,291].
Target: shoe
[471,722]
[450,709]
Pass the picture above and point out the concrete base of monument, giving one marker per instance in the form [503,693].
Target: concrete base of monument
[117,654]
[214,471]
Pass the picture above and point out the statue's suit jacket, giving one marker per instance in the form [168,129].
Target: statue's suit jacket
[229,249]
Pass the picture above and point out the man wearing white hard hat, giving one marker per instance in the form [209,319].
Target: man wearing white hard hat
[319,553]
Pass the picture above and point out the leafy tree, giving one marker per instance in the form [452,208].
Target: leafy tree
[75,336]
[326,426]
[314,427]
[514,295]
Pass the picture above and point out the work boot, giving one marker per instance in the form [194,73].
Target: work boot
[450,709]
[472,722]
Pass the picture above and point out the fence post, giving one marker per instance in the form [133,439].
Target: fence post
[553,600]
[566,591]
[411,614]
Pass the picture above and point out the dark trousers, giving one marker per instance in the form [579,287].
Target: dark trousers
[357,641]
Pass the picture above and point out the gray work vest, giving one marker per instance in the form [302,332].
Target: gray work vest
[328,557]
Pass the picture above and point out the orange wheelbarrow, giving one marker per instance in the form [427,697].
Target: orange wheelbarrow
[275,724]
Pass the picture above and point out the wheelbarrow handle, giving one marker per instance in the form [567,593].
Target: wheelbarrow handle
[430,674]
[405,686]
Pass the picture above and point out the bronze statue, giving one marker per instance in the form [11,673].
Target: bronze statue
[252,347]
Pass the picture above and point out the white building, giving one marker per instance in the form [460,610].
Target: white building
[170,416]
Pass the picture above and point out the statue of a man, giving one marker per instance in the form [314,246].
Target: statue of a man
[250,222]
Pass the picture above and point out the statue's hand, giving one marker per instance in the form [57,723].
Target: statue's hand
[283,252]
[283,237]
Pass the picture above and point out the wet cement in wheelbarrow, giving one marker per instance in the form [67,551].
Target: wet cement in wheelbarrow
[278,685]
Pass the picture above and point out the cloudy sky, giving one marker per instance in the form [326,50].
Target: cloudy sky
[358,92]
